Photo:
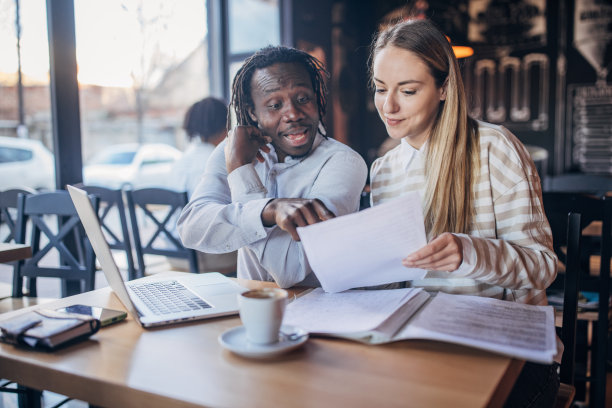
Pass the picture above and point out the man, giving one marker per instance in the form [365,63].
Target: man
[276,171]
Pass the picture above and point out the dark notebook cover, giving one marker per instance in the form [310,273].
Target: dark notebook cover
[47,329]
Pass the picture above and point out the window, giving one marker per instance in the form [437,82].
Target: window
[10,154]
[244,27]
[114,158]
[141,64]
[24,164]
[25,111]
[252,24]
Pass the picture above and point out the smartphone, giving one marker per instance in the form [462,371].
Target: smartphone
[106,316]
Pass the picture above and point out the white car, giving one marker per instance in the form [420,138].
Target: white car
[25,163]
[131,165]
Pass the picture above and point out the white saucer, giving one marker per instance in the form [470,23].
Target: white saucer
[235,340]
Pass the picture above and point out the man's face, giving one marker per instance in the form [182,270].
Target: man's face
[285,108]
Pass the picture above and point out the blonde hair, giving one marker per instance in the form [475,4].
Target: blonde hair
[453,146]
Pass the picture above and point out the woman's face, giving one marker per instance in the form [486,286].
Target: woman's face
[406,97]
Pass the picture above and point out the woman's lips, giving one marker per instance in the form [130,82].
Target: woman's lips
[393,122]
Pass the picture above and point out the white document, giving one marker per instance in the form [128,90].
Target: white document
[366,248]
[369,316]
[509,328]
[381,316]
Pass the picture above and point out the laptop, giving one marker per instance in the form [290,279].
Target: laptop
[159,301]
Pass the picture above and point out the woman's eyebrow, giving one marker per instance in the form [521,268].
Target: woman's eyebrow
[408,81]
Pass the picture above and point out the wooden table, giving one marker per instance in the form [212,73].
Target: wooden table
[8,253]
[124,365]
[14,252]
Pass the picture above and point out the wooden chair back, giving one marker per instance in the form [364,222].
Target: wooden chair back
[159,208]
[8,210]
[56,230]
[116,231]
[599,209]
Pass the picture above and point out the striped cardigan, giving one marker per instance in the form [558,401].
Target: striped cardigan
[508,253]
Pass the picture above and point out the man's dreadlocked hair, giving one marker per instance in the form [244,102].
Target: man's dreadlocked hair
[270,55]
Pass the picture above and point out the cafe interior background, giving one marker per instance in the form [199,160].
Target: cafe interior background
[540,68]
[86,77]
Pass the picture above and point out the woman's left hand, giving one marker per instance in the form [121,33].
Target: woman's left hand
[444,253]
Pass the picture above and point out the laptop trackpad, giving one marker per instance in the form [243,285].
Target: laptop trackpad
[218,289]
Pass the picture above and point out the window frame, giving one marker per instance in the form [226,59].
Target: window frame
[219,56]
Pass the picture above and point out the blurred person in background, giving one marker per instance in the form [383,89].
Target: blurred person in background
[205,125]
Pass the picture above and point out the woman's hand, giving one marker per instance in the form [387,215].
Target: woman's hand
[444,253]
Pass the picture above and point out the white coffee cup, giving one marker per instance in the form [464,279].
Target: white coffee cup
[261,312]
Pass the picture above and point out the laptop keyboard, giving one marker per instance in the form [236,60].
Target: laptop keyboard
[168,297]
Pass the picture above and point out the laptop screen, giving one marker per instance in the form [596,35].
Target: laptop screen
[98,241]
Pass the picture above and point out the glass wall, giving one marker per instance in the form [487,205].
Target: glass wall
[25,113]
[252,24]
[141,64]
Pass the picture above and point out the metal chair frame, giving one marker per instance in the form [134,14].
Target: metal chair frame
[173,202]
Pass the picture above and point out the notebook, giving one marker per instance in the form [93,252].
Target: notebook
[156,302]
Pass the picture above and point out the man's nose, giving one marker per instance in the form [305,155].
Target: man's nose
[292,112]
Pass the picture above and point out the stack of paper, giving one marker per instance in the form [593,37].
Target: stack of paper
[381,316]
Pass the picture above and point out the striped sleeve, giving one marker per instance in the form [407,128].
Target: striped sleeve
[511,238]
[508,252]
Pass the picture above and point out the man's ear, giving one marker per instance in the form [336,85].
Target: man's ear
[252,114]
[443,90]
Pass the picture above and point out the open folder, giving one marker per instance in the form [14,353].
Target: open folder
[381,316]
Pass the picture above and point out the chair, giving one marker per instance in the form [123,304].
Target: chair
[37,209]
[571,283]
[8,218]
[8,210]
[161,207]
[111,202]
[55,225]
[591,208]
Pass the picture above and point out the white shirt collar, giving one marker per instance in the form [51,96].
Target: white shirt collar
[409,153]
[290,160]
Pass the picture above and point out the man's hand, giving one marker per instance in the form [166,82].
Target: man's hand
[290,213]
[444,253]
[243,146]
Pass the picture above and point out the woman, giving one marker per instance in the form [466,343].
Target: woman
[486,227]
